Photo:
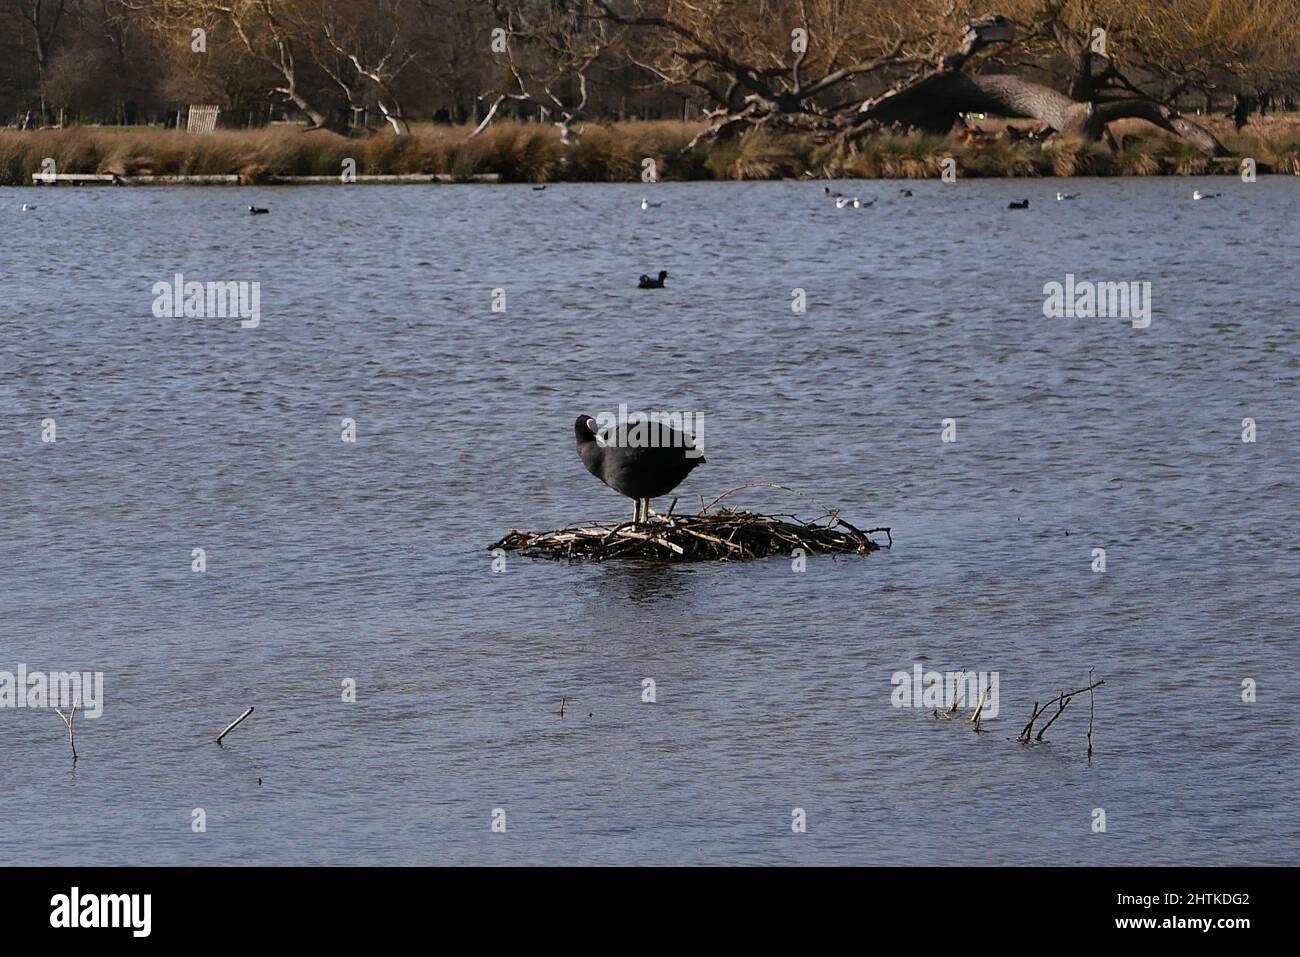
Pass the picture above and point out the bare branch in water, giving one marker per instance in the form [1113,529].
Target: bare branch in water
[68,719]
[234,724]
[1061,701]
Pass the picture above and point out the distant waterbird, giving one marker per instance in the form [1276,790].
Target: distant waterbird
[905,193]
[833,194]
[28,207]
[1023,204]
[257,211]
[648,283]
[538,189]
[1061,197]
[641,460]
[646,204]
[1197,194]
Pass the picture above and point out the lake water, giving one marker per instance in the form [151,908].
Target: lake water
[328,561]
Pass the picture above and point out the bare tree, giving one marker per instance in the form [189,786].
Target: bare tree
[362,48]
[40,22]
[547,44]
[272,32]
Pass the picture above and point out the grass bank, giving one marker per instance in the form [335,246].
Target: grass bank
[614,153]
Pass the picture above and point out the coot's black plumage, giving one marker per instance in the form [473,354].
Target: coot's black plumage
[257,211]
[1023,204]
[648,283]
[641,472]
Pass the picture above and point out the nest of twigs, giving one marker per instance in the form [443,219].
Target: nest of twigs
[720,535]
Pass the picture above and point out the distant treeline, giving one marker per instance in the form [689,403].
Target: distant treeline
[386,64]
[336,63]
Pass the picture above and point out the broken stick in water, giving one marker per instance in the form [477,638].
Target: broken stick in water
[1061,701]
[70,717]
[956,699]
[979,709]
[1090,712]
[234,724]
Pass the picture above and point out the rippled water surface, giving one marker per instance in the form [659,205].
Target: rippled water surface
[329,561]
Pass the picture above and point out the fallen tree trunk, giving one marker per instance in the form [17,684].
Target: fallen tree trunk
[932,99]
[935,103]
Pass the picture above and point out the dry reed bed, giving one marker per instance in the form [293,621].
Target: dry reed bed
[614,153]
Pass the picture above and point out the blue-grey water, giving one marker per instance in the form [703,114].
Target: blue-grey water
[329,561]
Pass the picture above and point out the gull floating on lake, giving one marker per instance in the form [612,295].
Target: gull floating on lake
[27,208]
[1197,194]
[1061,196]
[646,204]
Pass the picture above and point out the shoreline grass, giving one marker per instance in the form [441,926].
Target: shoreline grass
[533,153]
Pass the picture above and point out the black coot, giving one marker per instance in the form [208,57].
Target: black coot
[641,472]
[1023,204]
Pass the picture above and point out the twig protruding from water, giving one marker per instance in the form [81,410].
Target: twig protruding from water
[234,724]
[68,719]
[1061,701]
